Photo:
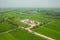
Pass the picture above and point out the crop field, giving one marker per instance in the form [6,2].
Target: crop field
[11,27]
[19,35]
[51,30]
[5,26]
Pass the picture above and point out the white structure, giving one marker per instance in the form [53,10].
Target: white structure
[30,22]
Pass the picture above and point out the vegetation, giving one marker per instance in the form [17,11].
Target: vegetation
[10,18]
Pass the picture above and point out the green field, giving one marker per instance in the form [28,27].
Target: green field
[12,20]
[51,30]
[5,26]
[19,35]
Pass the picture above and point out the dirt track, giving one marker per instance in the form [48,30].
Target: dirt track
[29,30]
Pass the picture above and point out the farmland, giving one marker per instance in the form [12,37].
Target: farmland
[10,19]
[19,35]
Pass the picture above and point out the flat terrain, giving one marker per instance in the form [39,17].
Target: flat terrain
[5,26]
[10,19]
[19,35]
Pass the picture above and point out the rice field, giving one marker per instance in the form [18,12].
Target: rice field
[13,21]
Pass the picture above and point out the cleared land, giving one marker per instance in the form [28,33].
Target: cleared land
[5,26]
[14,16]
[19,35]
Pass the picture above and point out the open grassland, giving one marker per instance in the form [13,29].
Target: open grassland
[22,35]
[6,36]
[19,35]
[48,32]
[54,25]
[51,30]
[41,18]
[5,26]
